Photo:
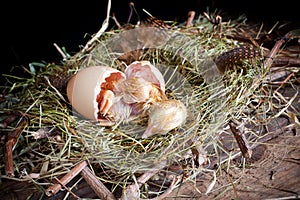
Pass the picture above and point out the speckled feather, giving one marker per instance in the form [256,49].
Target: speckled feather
[235,56]
[225,59]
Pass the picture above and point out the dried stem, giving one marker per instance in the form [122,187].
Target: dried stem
[269,61]
[116,21]
[64,186]
[132,191]
[8,159]
[12,140]
[191,16]
[284,61]
[241,141]
[101,31]
[131,6]
[52,190]
[98,187]
[60,51]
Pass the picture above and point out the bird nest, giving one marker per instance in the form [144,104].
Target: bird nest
[55,137]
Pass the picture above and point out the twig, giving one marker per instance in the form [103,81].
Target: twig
[241,141]
[219,21]
[131,6]
[101,31]
[76,135]
[56,90]
[132,191]
[272,29]
[74,195]
[207,17]
[191,16]
[147,12]
[98,187]
[116,21]
[60,51]
[8,159]
[12,140]
[52,190]
[269,61]
[284,61]
[274,76]
[233,185]
[271,57]
[89,177]
[259,31]
[284,81]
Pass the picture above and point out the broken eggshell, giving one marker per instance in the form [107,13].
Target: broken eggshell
[84,87]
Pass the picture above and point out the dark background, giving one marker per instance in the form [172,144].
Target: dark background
[30,28]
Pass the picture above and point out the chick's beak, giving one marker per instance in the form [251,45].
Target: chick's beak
[165,116]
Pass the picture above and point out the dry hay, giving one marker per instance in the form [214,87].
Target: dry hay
[55,137]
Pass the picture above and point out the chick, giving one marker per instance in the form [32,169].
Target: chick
[165,116]
[138,90]
[144,69]
[139,94]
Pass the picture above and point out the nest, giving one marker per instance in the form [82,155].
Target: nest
[55,138]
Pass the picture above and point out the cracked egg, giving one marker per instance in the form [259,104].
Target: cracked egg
[86,85]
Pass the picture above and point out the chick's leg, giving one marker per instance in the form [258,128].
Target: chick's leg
[106,101]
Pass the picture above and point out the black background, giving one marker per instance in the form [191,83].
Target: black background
[30,28]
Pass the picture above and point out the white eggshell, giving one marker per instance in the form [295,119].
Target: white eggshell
[84,86]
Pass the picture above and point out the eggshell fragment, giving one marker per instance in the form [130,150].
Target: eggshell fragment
[85,85]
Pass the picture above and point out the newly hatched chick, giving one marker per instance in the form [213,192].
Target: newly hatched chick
[139,93]
[126,98]
[165,116]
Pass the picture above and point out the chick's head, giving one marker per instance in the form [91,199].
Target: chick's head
[165,116]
